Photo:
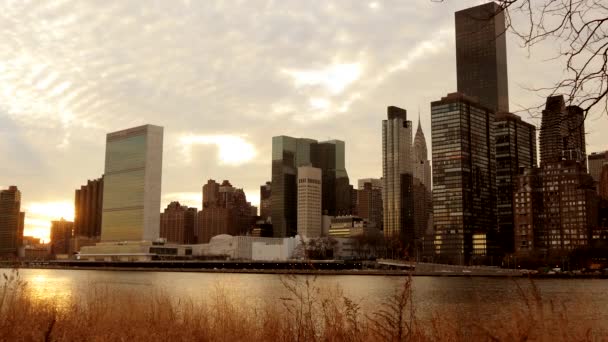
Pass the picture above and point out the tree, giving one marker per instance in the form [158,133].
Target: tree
[580,30]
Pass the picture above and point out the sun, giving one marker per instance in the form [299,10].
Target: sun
[38,217]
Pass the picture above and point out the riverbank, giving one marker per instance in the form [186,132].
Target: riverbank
[151,267]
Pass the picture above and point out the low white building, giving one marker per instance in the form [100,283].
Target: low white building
[246,248]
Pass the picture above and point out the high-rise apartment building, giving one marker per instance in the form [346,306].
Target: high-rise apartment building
[309,201]
[515,150]
[397,173]
[464,178]
[178,224]
[564,211]
[562,132]
[11,221]
[481,55]
[61,236]
[265,201]
[88,204]
[225,211]
[596,162]
[602,185]
[290,153]
[132,184]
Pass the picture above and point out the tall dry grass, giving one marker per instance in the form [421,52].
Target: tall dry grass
[306,314]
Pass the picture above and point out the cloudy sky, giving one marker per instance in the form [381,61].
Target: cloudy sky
[222,77]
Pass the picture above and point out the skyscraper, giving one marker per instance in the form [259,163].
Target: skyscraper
[562,132]
[132,184]
[515,149]
[481,55]
[88,204]
[309,201]
[464,178]
[211,194]
[596,162]
[290,153]
[178,223]
[423,201]
[11,221]
[397,176]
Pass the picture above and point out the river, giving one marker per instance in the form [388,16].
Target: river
[461,298]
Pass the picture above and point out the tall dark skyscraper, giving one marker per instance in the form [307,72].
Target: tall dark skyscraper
[481,55]
[464,178]
[515,149]
[288,154]
[61,236]
[88,202]
[11,221]
[265,201]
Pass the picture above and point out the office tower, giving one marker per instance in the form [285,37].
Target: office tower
[562,132]
[88,204]
[178,223]
[423,197]
[132,184]
[11,221]
[595,162]
[265,201]
[464,178]
[369,203]
[61,236]
[481,55]
[376,183]
[290,153]
[515,150]
[397,175]
[309,201]
[225,211]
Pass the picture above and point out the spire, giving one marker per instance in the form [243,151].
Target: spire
[420,150]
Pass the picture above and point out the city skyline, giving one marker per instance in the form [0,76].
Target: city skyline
[46,103]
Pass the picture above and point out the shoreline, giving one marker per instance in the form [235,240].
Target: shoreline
[370,272]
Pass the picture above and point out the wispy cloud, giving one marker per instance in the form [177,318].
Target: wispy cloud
[232,150]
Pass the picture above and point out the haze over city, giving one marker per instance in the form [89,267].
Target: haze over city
[222,82]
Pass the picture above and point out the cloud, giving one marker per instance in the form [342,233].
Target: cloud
[232,150]
[335,78]
[191,199]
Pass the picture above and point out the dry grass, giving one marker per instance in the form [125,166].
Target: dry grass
[307,314]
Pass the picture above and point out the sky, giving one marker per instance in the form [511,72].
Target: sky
[222,78]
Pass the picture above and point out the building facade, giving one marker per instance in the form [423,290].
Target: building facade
[61,236]
[397,173]
[178,224]
[11,221]
[132,184]
[481,55]
[515,150]
[423,198]
[310,185]
[88,204]
[464,178]
[369,204]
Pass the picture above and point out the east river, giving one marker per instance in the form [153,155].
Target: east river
[456,297]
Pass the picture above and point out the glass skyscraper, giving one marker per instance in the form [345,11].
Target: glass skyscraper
[132,184]
[11,221]
[397,173]
[464,178]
